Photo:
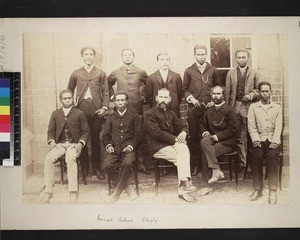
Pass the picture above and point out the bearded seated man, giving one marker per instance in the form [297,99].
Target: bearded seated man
[166,138]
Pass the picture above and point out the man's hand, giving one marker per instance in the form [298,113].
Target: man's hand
[206,134]
[110,149]
[214,138]
[210,104]
[246,98]
[273,145]
[195,102]
[181,137]
[101,112]
[52,144]
[256,144]
[78,148]
[127,149]
[143,99]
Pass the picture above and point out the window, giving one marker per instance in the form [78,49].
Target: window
[222,50]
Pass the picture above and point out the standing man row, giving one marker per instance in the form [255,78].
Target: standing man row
[93,92]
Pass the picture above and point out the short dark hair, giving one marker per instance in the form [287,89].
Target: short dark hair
[121,93]
[162,53]
[264,83]
[87,48]
[65,91]
[242,50]
[200,46]
[223,89]
[127,49]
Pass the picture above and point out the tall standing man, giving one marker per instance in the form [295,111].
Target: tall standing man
[122,135]
[197,82]
[131,80]
[265,127]
[241,90]
[68,132]
[92,97]
[164,78]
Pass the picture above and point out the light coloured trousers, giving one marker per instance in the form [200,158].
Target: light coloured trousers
[49,167]
[179,155]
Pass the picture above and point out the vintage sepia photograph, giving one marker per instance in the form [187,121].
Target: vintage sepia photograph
[154,123]
[85,156]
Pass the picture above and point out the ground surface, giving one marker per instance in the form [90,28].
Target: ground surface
[96,191]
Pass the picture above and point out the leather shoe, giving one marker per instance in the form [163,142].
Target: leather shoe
[195,171]
[186,186]
[100,175]
[255,195]
[73,197]
[111,199]
[45,197]
[272,197]
[216,177]
[144,171]
[130,192]
[187,197]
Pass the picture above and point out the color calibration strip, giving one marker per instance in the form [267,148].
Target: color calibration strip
[5,118]
[10,118]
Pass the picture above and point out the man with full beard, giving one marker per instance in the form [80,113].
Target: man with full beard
[166,138]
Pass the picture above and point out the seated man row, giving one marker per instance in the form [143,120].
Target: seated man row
[166,136]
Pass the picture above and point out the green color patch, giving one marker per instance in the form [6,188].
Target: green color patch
[4,101]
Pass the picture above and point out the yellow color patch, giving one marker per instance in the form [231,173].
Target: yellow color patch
[4,110]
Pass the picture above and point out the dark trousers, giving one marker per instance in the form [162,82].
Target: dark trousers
[272,161]
[119,168]
[94,121]
[211,150]
[194,115]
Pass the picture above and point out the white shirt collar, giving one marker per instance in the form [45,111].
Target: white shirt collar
[122,113]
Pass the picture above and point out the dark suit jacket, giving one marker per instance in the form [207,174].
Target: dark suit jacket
[96,80]
[173,83]
[197,84]
[222,122]
[162,127]
[120,131]
[132,82]
[76,121]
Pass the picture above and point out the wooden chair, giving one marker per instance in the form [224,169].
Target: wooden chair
[233,161]
[135,173]
[160,164]
[80,164]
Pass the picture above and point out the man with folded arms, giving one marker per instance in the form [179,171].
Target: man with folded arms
[122,135]
[219,127]
[166,138]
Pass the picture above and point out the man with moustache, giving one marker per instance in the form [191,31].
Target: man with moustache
[218,127]
[265,127]
[166,138]
[241,91]
[131,80]
[164,78]
[121,137]
[68,133]
[197,82]
[92,97]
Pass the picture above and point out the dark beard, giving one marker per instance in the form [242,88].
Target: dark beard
[163,105]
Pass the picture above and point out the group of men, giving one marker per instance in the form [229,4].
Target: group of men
[217,121]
